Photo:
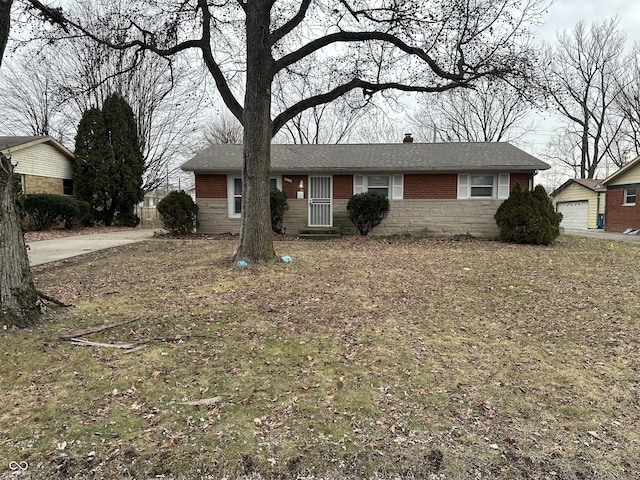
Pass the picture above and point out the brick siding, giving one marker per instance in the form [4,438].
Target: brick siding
[290,189]
[342,186]
[211,186]
[619,217]
[522,178]
[430,186]
[36,184]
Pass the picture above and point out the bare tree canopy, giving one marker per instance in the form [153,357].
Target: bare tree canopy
[368,46]
[628,104]
[582,83]
[224,129]
[489,112]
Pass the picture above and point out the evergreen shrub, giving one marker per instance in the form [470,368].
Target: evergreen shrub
[367,210]
[46,210]
[528,217]
[278,203]
[178,213]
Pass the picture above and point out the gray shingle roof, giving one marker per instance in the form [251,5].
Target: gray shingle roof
[10,142]
[397,157]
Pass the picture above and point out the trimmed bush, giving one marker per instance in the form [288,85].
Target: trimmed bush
[528,217]
[278,202]
[178,213]
[46,210]
[367,210]
[127,219]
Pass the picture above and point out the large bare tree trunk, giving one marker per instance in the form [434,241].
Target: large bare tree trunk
[5,23]
[18,297]
[256,239]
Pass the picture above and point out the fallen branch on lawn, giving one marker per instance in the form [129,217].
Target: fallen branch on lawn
[130,346]
[94,329]
[87,343]
[51,299]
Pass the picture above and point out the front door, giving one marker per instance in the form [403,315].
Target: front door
[320,207]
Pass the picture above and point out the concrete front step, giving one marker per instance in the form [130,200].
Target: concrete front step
[319,233]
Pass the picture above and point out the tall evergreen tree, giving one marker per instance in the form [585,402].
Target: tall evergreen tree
[123,134]
[109,164]
[95,159]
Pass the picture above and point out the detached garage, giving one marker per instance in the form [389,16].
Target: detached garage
[581,202]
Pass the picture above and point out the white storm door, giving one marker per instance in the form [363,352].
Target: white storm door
[320,206]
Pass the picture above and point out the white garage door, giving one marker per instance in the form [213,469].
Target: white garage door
[574,214]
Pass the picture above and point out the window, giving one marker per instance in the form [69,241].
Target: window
[234,194]
[391,186]
[483,186]
[67,187]
[630,196]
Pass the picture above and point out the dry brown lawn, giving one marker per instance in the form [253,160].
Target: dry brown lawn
[363,358]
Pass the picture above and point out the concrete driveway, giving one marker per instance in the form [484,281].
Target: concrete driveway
[604,235]
[46,251]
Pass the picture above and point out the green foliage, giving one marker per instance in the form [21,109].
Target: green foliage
[109,164]
[127,219]
[366,210]
[178,213]
[528,217]
[46,210]
[278,203]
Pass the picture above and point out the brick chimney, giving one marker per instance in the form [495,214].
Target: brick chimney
[407,138]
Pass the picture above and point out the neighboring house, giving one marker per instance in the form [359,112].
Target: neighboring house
[622,211]
[44,164]
[445,188]
[581,202]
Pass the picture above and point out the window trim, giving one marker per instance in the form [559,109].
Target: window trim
[625,199]
[395,185]
[231,196]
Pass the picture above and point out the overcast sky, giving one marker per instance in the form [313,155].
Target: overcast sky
[564,14]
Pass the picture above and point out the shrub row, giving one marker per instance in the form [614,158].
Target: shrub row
[45,210]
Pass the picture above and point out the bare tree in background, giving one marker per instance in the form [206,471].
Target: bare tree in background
[321,124]
[382,127]
[61,81]
[367,46]
[31,102]
[628,103]
[488,112]
[224,129]
[581,83]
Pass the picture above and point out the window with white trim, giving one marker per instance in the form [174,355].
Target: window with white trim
[630,196]
[391,186]
[483,185]
[234,194]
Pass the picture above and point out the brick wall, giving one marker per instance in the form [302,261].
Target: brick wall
[211,186]
[521,178]
[342,186]
[36,184]
[435,217]
[619,217]
[430,186]
[213,215]
[291,188]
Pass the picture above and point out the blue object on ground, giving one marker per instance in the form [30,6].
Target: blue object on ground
[286,259]
[241,263]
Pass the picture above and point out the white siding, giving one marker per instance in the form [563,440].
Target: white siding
[42,160]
